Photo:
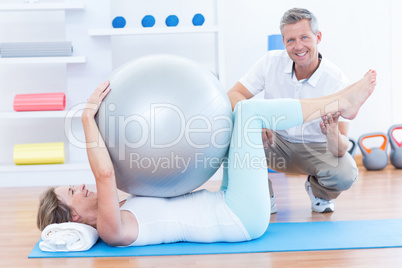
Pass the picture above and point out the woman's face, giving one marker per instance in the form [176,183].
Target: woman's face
[82,202]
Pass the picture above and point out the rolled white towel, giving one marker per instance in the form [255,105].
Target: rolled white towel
[68,236]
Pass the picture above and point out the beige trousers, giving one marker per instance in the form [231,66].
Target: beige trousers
[330,175]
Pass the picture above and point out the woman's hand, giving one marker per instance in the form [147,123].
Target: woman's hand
[95,100]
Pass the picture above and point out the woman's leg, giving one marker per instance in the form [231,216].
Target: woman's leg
[225,177]
[247,191]
[347,101]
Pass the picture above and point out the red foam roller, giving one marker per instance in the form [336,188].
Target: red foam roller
[40,102]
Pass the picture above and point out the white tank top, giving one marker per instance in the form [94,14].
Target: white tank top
[201,216]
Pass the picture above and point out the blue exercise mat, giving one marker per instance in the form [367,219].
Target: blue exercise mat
[297,236]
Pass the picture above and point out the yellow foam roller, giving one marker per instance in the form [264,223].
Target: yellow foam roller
[39,153]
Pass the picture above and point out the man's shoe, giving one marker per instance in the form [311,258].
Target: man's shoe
[317,204]
[273,205]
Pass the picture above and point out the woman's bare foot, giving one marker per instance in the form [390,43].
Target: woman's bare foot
[355,95]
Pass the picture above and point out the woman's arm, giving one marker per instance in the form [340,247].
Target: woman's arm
[109,219]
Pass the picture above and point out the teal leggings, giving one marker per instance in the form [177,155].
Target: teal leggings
[245,176]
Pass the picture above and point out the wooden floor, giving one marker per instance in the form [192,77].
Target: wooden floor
[376,195]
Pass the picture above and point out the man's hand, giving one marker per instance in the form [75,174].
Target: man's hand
[267,138]
[337,142]
[329,125]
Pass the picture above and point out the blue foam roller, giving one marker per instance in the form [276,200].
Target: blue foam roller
[148,21]
[172,21]
[275,42]
[119,22]
[198,19]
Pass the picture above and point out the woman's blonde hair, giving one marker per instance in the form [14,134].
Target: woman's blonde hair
[51,210]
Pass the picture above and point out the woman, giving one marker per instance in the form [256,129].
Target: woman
[238,212]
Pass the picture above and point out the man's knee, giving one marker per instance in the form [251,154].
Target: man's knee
[343,176]
[346,178]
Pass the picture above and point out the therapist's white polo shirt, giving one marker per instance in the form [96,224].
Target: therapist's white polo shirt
[273,73]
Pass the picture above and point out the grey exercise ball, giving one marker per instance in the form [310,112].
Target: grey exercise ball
[167,124]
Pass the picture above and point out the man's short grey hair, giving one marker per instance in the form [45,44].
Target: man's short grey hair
[297,14]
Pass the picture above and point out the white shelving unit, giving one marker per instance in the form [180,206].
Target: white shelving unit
[178,30]
[145,31]
[20,170]
[27,60]
[31,175]
[46,175]
[40,114]
[40,168]
[41,6]
[102,32]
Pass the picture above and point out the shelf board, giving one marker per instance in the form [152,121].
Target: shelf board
[40,114]
[43,60]
[145,31]
[40,6]
[51,167]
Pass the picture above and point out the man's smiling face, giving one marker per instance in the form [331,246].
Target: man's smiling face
[301,44]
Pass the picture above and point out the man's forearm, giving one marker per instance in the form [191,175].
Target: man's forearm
[238,93]
[235,97]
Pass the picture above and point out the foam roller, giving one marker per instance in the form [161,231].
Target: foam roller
[275,42]
[40,102]
[39,153]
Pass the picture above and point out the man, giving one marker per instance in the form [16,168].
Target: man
[319,149]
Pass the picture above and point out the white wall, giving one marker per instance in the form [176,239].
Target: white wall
[396,55]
